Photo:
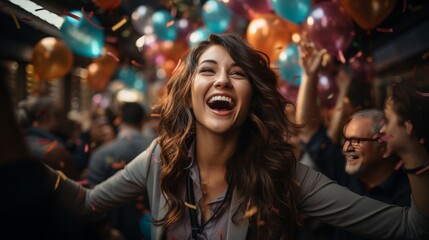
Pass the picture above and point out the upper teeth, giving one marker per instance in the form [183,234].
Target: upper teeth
[220,98]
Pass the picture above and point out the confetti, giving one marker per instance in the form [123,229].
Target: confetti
[135,63]
[330,96]
[26,19]
[341,56]
[86,148]
[169,24]
[422,170]
[384,30]
[39,9]
[355,57]
[119,24]
[399,164]
[111,39]
[155,115]
[155,159]
[90,21]
[57,182]
[384,138]
[190,205]
[51,146]
[424,94]
[14,18]
[83,182]
[249,213]
[71,15]
[113,56]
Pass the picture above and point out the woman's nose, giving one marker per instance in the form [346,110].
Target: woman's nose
[223,81]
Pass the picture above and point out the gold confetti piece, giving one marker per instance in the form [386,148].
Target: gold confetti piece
[14,18]
[57,182]
[62,175]
[170,23]
[119,24]
[155,115]
[252,211]
[51,146]
[190,205]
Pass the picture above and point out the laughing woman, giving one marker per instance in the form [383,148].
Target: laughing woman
[223,166]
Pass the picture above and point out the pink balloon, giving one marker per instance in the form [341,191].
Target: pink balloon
[250,8]
[363,70]
[329,27]
[327,89]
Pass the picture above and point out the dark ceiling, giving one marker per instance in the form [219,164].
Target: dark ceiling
[409,39]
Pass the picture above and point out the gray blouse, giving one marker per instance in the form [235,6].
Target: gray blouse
[318,197]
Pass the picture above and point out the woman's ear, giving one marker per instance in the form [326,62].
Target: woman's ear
[409,127]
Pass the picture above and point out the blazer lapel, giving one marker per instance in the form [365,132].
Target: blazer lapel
[239,230]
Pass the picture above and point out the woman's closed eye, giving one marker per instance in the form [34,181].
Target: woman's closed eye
[238,74]
[207,70]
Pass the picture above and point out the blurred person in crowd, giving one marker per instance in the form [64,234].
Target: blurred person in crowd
[113,156]
[37,117]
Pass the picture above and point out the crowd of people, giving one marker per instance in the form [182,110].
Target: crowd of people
[223,163]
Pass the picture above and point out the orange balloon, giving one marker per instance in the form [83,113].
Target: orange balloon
[368,14]
[268,33]
[108,4]
[172,50]
[98,76]
[52,59]
[109,58]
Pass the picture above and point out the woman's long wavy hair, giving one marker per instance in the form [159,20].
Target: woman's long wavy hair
[263,166]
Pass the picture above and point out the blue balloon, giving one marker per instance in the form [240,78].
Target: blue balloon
[198,35]
[164,25]
[131,78]
[293,10]
[216,16]
[288,64]
[82,36]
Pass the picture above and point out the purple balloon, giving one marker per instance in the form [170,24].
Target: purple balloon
[363,70]
[327,89]
[141,19]
[329,27]
[250,8]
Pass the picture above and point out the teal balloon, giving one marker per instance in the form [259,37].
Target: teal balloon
[288,64]
[145,225]
[81,36]
[216,16]
[198,35]
[131,78]
[293,10]
[164,25]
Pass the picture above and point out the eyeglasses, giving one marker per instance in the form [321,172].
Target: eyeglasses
[356,142]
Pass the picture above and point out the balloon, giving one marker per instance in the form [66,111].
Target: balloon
[164,25]
[83,37]
[108,4]
[216,16]
[250,8]
[141,19]
[327,89]
[363,70]
[288,64]
[98,77]
[328,26]
[184,28]
[293,10]
[198,35]
[129,77]
[108,58]
[52,59]
[368,14]
[290,92]
[268,33]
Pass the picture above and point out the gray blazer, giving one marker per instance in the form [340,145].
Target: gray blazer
[318,197]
